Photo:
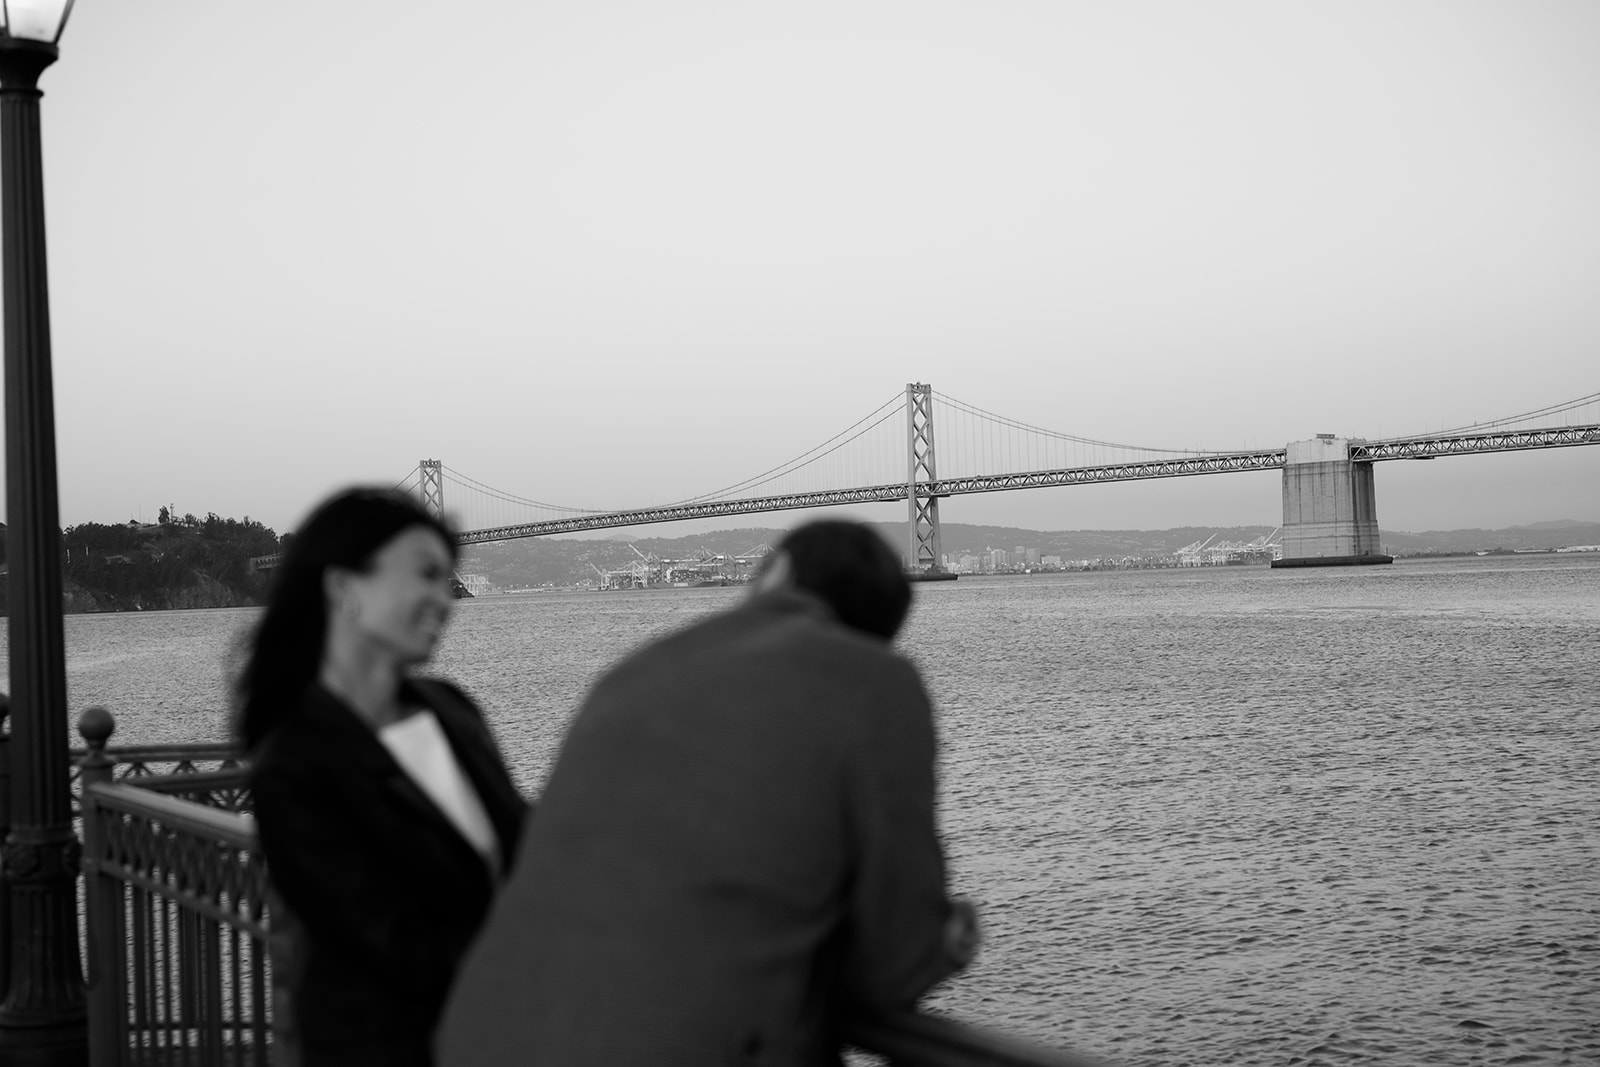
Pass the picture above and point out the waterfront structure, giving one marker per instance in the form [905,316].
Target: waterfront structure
[1212,553]
[476,584]
[1330,512]
[704,568]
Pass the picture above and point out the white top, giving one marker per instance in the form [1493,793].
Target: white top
[419,746]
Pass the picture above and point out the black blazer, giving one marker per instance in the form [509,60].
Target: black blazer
[384,894]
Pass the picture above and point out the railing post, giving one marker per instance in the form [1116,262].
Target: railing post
[106,976]
[5,830]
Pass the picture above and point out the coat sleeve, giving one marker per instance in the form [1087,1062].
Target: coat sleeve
[897,907]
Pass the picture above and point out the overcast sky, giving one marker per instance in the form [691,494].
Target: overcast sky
[613,254]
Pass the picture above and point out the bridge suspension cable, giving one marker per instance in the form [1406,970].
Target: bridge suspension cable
[863,426]
[848,468]
[976,442]
[1001,420]
[871,453]
[512,498]
[1562,408]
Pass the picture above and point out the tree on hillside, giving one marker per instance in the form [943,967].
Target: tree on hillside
[150,563]
[99,538]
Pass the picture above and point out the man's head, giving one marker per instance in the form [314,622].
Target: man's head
[850,568]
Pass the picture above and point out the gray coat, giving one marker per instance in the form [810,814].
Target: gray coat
[735,851]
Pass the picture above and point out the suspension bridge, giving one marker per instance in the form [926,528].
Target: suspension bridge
[893,454]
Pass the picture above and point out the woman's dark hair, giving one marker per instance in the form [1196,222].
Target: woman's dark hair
[854,570]
[285,651]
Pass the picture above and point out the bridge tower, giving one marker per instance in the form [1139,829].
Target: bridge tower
[431,486]
[1330,511]
[922,507]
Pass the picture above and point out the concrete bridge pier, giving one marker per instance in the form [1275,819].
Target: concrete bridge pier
[1330,513]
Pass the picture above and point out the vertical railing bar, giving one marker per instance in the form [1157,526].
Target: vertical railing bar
[127,934]
[158,946]
[147,964]
[258,998]
[143,949]
[191,967]
[188,982]
[188,1012]
[183,1016]
[219,993]
[116,968]
[184,978]
[235,1008]
[260,964]
[97,896]
[169,1014]
[210,999]
[160,1013]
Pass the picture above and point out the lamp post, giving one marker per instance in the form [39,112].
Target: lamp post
[42,1019]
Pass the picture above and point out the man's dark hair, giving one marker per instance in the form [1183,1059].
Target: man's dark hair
[853,569]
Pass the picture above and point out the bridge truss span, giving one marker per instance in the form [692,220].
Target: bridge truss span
[1271,459]
[1473,443]
[1222,463]
[872,494]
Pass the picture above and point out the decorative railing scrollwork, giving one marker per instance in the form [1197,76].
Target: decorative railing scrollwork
[134,763]
[178,959]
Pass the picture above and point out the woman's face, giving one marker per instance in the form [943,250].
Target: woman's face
[403,599]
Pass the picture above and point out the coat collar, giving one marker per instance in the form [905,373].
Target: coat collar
[789,600]
[476,754]
[369,757]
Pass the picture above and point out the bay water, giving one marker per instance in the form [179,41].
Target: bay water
[1213,815]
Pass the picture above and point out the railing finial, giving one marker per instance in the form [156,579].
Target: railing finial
[96,726]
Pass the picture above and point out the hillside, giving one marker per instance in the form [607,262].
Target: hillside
[1538,536]
[203,563]
[181,563]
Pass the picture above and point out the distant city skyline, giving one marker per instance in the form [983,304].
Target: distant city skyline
[615,255]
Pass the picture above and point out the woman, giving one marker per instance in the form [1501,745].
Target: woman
[385,811]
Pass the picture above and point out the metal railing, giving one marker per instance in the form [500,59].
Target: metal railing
[917,1039]
[178,955]
[130,763]
[180,927]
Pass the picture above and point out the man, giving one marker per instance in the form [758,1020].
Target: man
[735,853]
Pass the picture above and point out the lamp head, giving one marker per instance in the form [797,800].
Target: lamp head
[40,21]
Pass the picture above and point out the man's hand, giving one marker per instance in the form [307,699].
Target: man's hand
[961,934]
